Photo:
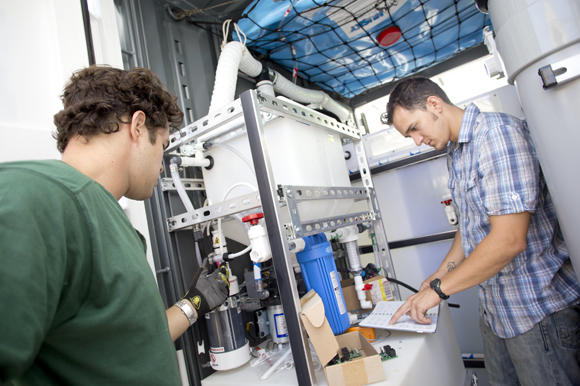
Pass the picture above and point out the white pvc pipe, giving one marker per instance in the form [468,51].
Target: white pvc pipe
[180,189]
[360,294]
[356,268]
[195,161]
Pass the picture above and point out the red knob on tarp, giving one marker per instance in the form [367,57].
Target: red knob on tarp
[446,202]
[389,36]
[253,218]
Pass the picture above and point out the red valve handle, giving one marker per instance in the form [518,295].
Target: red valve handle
[367,287]
[253,218]
[446,202]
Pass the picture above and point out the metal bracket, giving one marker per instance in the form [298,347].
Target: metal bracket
[226,118]
[207,213]
[290,109]
[313,227]
[305,193]
[188,184]
[292,194]
[560,72]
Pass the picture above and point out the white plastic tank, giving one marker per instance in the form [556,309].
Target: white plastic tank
[531,34]
[300,154]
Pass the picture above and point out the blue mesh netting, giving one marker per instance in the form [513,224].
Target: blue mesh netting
[334,43]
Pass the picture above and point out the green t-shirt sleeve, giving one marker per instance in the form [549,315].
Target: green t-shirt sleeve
[40,227]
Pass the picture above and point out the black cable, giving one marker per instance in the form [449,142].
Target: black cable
[452,305]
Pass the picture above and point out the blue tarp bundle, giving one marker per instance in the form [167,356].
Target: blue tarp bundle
[334,43]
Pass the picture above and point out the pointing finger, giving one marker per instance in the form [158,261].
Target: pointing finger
[405,308]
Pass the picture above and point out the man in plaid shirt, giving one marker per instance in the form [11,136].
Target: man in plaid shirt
[508,242]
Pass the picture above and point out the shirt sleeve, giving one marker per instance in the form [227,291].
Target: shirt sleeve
[510,171]
[37,236]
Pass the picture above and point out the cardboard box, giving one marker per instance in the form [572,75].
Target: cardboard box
[359,371]
[380,291]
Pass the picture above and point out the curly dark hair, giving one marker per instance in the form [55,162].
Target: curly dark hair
[411,94]
[97,98]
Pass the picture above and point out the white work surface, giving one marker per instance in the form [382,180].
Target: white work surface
[422,359]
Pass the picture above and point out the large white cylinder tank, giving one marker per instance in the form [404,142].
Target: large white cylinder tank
[531,34]
[300,154]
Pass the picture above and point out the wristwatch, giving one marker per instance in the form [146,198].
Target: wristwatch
[187,311]
[435,284]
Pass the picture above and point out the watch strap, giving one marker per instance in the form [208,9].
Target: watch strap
[436,286]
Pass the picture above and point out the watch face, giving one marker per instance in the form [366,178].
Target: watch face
[434,283]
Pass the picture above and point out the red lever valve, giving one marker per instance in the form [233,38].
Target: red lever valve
[253,218]
[446,202]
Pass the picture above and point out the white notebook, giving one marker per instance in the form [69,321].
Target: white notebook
[381,316]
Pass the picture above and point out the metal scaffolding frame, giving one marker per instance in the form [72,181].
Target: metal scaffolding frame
[247,116]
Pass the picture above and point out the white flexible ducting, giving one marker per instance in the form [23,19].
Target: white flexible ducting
[226,75]
[301,94]
[180,189]
[249,65]
[236,57]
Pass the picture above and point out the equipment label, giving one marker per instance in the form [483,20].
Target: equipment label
[281,329]
[216,349]
[337,293]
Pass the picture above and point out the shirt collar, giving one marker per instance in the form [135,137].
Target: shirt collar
[468,123]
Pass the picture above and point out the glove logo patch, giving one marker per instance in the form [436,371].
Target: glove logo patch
[196,301]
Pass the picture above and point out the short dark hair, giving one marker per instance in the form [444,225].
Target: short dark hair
[97,98]
[412,93]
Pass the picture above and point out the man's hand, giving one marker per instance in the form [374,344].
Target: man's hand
[208,292]
[417,305]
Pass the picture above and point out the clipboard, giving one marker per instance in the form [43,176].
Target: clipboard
[384,311]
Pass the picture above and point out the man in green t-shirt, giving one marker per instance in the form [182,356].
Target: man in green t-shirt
[78,301]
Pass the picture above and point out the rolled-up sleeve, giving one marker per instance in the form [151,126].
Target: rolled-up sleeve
[510,171]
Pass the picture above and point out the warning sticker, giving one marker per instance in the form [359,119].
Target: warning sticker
[381,291]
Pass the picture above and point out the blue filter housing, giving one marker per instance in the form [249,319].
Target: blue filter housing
[320,274]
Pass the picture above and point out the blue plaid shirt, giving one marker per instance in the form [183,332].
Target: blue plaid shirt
[493,170]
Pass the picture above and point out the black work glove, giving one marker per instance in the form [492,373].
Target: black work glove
[208,292]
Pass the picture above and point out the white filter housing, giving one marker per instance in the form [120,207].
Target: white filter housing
[532,34]
[300,155]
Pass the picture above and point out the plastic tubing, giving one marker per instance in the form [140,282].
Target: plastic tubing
[236,152]
[235,186]
[246,250]
[220,220]
[179,187]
